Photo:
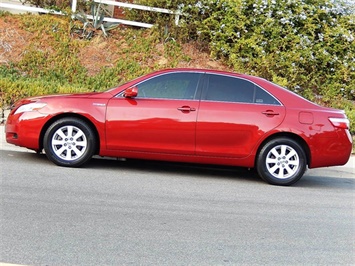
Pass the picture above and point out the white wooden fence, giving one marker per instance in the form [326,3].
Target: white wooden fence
[11,6]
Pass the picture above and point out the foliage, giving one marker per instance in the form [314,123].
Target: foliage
[92,25]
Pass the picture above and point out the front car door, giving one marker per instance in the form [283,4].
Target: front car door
[234,114]
[161,119]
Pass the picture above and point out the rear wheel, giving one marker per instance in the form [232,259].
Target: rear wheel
[281,161]
[69,142]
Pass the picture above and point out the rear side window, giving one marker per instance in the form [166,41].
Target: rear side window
[170,86]
[262,97]
[230,89]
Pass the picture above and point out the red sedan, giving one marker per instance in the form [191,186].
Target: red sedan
[187,115]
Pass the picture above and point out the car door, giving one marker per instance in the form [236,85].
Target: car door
[161,119]
[234,114]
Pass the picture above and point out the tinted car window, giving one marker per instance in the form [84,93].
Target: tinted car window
[262,97]
[230,89]
[170,86]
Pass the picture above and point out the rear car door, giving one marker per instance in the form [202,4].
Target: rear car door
[161,119]
[234,114]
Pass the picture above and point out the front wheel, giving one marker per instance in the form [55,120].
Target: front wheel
[69,142]
[281,161]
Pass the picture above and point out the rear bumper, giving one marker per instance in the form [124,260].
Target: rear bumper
[332,151]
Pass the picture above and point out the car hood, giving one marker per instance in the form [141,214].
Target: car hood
[73,95]
[48,97]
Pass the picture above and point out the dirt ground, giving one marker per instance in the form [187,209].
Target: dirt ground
[13,40]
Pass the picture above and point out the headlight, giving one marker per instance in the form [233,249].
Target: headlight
[30,107]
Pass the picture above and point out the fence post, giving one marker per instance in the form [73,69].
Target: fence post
[73,6]
[177,18]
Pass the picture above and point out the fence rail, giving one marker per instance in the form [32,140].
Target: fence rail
[28,8]
[106,2]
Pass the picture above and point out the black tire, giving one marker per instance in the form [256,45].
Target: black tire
[281,161]
[69,142]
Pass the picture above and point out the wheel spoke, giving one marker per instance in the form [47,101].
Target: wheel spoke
[291,154]
[70,131]
[59,151]
[283,150]
[271,160]
[274,152]
[281,173]
[274,168]
[60,133]
[78,135]
[81,142]
[68,156]
[295,163]
[57,142]
[289,170]
[77,152]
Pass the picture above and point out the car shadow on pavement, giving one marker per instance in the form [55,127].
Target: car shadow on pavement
[312,179]
[192,170]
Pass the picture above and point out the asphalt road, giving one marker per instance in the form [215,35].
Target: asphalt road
[151,213]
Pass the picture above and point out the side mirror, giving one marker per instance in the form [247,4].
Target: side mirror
[131,92]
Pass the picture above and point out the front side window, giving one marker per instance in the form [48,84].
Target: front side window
[170,86]
[230,89]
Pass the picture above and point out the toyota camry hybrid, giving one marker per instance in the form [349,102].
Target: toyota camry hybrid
[187,115]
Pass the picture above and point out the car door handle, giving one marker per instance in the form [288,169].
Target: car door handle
[186,109]
[270,113]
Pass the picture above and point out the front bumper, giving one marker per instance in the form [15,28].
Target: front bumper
[24,129]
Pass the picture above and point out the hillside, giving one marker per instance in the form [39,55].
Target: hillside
[100,52]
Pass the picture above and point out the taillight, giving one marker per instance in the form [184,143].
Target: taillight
[340,122]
